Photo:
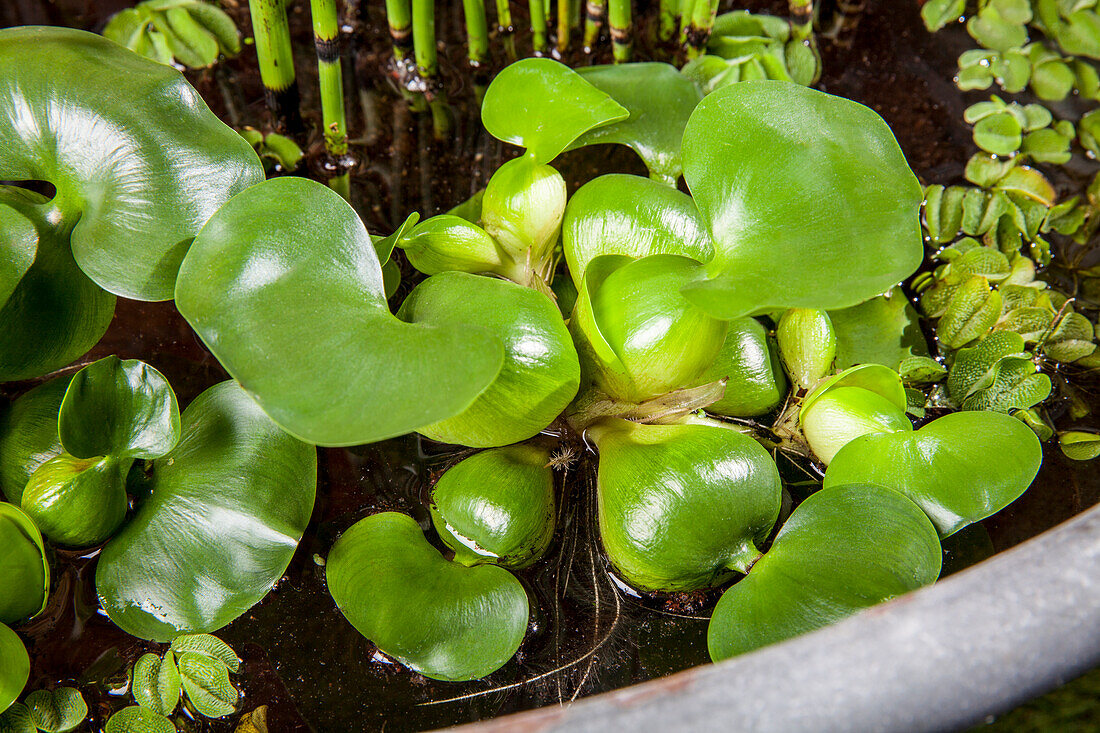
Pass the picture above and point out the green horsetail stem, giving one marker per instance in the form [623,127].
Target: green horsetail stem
[276,59]
[423,24]
[565,23]
[326,38]
[666,25]
[802,19]
[477,31]
[505,29]
[697,32]
[538,27]
[621,25]
[593,21]
[399,17]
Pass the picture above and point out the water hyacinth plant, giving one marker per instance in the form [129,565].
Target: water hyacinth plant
[676,344]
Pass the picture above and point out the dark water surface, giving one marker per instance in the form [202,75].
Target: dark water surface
[301,658]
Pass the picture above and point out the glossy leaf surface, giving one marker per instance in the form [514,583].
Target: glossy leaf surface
[844,549]
[228,507]
[540,373]
[960,468]
[619,214]
[440,618]
[844,414]
[682,507]
[28,435]
[795,185]
[284,286]
[23,566]
[883,330]
[119,408]
[749,361]
[78,502]
[660,100]
[134,181]
[543,105]
[15,667]
[497,506]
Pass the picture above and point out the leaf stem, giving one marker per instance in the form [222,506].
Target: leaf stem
[276,60]
[620,21]
[326,38]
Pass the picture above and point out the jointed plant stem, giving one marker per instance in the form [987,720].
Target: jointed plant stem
[326,38]
[565,22]
[696,34]
[538,27]
[423,23]
[272,33]
[505,29]
[399,17]
[666,28]
[620,21]
[593,20]
[802,19]
[477,31]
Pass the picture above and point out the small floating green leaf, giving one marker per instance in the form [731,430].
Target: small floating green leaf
[156,683]
[15,667]
[57,711]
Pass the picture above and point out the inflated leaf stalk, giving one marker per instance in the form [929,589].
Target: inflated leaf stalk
[284,286]
[522,210]
[960,468]
[26,569]
[795,185]
[15,667]
[543,105]
[57,711]
[28,435]
[134,185]
[442,619]
[228,506]
[638,337]
[844,549]
[660,100]
[756,383]
[862,400]
[113,413]
[619,214]
[497,506]
[540,374]
[807,345]
[682,507]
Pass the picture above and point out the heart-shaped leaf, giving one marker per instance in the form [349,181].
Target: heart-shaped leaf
[15,667]
[25,567]
[682,507]
[228,506]
[17,719]
[619,214]
[543,105]
[756,383]
[78,502]
[156,683]
[795,185]
[844,549]
[883,330]
[540,374]
[660,99]
[136,719]
[960,468]
[206,681]
[444,620]
[28,435]
[284,286]
[57,711]
[119,408]
[497,506]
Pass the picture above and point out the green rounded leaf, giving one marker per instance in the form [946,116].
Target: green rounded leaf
[210,646]
[284,286]
[1078,445]
[58,711]
[135,719]
[999,134]
[28,435]
[18,247]
[442,619]
[23,565]
[844,549]
[637,335]
[795,186]
[660,100]
[497,506]
[76,501]
[843,414]
[206,682]
[540,373]
[633,216]
[119,408]
[883,330]
[543,105]
[156,683]
[15,667]
[228,506]
[135,182]
[682,507]
[973,310]
[960,468]
[756,383]
[17,719]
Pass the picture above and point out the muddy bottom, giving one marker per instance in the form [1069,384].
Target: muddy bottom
[587,635]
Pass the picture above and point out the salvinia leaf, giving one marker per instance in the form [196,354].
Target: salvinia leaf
[58,711]
[206,682]
[156,683]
